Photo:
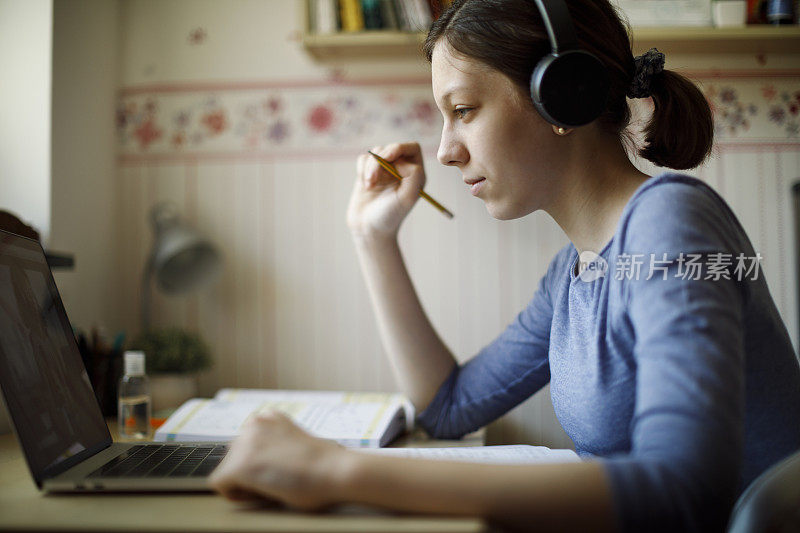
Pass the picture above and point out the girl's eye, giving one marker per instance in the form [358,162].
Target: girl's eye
[461,112]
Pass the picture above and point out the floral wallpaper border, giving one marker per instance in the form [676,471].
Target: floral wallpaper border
[308,118]
[761,109]
[301,118]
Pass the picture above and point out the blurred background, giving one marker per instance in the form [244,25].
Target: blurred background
[250,126]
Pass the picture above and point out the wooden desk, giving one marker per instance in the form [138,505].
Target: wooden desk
[24,508]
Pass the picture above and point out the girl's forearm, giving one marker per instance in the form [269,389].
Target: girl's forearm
[420,360]
[547,497]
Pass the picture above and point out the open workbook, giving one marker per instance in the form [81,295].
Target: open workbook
[354,419]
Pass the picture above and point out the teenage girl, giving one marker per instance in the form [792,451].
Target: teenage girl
[673,373]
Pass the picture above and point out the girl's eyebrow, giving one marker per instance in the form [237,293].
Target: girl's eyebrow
[455,88]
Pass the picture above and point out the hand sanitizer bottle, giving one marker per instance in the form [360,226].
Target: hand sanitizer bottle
[134,399]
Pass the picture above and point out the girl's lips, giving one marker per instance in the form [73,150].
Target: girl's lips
[476,186]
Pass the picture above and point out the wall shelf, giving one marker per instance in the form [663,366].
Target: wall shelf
[370,43]
[689,40]
[749,39]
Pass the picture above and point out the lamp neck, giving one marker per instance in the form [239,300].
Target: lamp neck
[147,278]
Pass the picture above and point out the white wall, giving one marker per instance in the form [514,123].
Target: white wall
[85,67]
[245,40]
[25,42]
[25,45]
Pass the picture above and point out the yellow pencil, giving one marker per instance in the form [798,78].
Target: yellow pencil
[393,171]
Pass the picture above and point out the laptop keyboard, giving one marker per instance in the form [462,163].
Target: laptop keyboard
[163,460]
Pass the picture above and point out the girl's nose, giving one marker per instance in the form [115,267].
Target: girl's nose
[452,152]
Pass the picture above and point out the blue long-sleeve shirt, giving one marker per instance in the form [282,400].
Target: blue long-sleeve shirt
[684,385]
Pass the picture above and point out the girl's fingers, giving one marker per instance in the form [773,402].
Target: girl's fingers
[393,152]
[376,172]
[410,187]
[237,494]
[235,481]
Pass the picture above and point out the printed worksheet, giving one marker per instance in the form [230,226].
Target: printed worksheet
[513,454]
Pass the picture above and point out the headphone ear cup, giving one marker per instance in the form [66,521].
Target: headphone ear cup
[569,89]
[537,83]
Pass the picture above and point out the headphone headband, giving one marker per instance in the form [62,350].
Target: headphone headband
[558,24]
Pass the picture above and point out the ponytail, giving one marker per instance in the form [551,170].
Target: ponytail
[681,131]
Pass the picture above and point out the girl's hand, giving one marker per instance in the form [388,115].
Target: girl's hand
[380,202]
[273,459]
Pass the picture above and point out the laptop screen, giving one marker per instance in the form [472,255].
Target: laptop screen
[43,379]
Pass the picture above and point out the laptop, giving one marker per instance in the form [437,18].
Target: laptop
[52,406]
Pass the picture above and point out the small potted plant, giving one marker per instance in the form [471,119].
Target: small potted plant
[173,358]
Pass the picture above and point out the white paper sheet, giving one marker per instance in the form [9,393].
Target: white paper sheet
[512,454]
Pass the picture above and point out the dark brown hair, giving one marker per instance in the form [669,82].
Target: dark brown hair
[509,36]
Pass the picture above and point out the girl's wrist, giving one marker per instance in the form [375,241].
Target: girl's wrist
[369,241]
[343,474]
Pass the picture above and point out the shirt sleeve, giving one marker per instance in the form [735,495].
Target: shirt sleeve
[682,471]
[502,375]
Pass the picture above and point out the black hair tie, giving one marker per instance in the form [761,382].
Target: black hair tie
[647,65]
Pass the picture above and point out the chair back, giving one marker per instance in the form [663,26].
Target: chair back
[772,501]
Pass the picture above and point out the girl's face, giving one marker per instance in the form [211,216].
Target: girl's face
[493,134]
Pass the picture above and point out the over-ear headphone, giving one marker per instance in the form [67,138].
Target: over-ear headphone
[569,86]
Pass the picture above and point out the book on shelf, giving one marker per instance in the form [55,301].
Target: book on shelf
[352,15]
[353,419]
[389,15]
[332,16]
[421,16]
[373,17]
[324,16]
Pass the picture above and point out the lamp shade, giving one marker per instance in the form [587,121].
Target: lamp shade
[181,259]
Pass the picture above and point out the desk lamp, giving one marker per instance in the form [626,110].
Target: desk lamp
[180,259]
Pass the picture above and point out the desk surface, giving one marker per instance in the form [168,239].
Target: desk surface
[24,508]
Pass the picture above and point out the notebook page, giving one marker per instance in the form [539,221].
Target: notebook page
[511,454]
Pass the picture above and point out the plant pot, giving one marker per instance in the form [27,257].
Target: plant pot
[729,13]
[168,391]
